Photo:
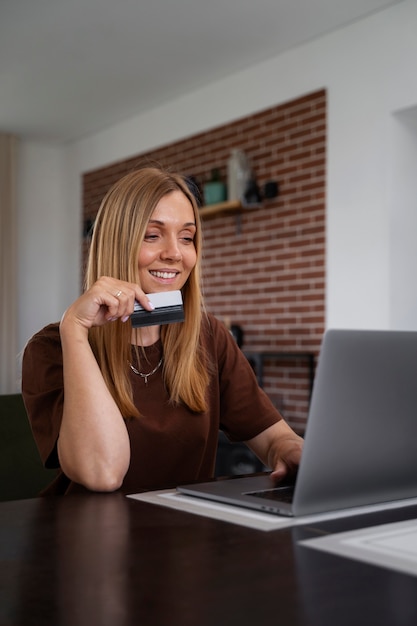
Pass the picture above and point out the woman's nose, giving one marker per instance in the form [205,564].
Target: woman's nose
[171,251]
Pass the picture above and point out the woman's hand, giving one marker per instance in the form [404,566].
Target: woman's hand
[287,457]
[107,300]
[279,448]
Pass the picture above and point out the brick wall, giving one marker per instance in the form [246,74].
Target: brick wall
[265,269]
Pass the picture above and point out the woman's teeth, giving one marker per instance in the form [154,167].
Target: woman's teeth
[164,274]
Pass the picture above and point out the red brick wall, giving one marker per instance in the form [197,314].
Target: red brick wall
[264,271]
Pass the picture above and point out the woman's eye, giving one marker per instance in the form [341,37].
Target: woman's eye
[187,236]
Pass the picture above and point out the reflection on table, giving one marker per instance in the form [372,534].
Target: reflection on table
[110,560]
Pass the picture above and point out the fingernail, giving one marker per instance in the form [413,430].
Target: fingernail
[151,305]
[125,318]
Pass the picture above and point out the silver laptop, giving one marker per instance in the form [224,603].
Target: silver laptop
[361,438]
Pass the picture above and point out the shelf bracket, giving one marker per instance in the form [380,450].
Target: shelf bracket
[238,222]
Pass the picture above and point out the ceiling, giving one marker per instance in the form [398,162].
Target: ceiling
[69,68]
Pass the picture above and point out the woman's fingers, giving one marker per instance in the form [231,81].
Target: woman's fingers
[120,297]
[109,299]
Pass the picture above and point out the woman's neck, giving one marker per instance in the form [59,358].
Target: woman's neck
[145,336]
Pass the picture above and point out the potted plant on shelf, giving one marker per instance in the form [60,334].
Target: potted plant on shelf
[214,190]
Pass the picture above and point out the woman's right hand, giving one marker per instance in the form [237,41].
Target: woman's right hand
[107,300]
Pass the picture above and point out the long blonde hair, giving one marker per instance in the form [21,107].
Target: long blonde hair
[119,230]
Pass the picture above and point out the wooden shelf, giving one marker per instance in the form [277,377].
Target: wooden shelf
[230,206]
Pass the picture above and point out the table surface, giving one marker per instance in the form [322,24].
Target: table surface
[109,560]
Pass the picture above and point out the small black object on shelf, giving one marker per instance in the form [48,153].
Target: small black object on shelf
[194,186]
[271,189]
[252,193]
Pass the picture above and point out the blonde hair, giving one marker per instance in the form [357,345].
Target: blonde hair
[118,233]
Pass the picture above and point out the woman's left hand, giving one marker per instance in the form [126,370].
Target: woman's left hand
[279,448]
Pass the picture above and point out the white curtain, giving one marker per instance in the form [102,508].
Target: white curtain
[9,377]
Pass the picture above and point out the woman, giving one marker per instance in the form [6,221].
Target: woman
[116,407]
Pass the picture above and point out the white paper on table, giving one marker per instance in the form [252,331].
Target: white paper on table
[250,518]
[389,545]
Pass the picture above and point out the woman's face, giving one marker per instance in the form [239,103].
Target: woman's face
[168,255]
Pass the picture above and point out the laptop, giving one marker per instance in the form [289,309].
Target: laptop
[360,443]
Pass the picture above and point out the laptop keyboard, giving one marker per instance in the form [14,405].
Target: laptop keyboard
[279,494]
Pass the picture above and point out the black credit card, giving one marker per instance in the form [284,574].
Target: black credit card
[168,309]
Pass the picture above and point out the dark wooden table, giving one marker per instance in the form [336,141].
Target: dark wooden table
[111,561]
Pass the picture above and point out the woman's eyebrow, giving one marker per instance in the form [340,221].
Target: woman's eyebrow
[161,223]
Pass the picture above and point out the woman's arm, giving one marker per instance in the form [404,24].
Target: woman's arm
[93,443]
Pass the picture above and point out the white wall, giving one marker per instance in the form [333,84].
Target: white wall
[369,70]
[403,221]
[48,241]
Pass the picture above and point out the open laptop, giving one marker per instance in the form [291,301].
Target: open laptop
[361,437]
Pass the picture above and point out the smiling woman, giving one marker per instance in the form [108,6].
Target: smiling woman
[115,406]
[168,255]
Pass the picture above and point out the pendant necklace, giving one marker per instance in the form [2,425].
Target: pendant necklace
[146,376]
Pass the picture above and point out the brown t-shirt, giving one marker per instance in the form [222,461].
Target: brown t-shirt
[170,444]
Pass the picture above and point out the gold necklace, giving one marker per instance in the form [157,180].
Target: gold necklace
[146,376]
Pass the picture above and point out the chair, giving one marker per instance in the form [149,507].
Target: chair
[234,459]
[22,474]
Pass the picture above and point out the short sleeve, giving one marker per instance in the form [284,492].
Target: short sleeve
[43,390]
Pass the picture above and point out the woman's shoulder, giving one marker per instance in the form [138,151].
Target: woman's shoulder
[49,333]
[216,335]
[213,326]
[45,340]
